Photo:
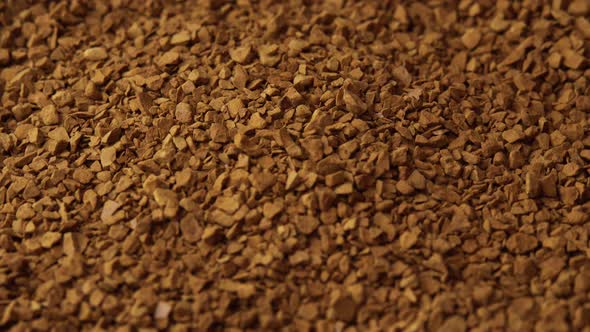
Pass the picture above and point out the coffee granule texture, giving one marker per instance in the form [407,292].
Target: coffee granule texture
[294,165]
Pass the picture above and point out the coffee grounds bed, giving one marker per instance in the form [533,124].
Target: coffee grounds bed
[266,165]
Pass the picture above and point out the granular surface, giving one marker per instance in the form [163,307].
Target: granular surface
[301,165]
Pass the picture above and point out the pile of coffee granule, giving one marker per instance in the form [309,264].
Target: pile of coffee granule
[294,165]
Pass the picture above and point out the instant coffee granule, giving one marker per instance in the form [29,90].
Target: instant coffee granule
[301,165]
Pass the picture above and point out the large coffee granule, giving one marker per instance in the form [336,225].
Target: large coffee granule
[301,165]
